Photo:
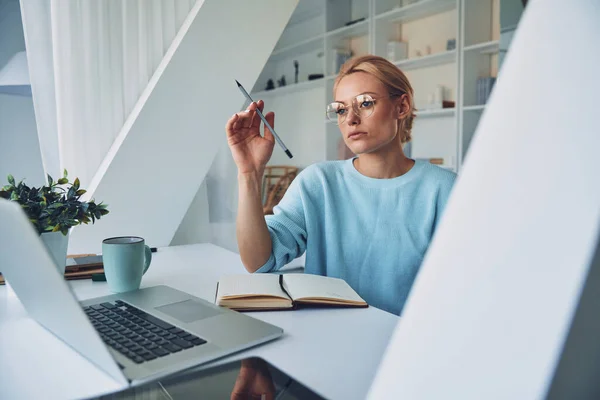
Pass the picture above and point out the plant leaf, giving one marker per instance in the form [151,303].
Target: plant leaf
[65,173]
[56,228]
[11,180]
[76,184]
[50,181]
[80,192]
[62,181]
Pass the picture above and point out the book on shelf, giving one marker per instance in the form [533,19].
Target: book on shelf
[435,160]
[261,292]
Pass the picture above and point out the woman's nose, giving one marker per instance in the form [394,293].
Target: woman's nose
[352,118]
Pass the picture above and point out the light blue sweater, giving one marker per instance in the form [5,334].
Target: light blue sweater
[373,233]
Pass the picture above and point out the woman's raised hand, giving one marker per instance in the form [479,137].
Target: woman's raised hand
[250,150]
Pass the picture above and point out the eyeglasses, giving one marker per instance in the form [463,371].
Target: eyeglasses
[363,106]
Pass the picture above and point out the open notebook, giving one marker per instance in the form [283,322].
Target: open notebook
[278,292]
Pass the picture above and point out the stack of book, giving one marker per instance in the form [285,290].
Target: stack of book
[484,88]
[79,266]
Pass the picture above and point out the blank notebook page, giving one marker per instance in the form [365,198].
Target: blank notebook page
[308,285]
[250,284]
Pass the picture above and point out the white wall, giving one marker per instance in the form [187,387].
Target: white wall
[19,146]
[303,134]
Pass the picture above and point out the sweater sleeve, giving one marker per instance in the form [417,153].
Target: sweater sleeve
[442,196]
[287,228]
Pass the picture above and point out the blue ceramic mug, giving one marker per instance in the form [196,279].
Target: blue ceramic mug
[125,260]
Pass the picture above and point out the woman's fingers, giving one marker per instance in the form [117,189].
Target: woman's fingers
[248,119]
[256,118]
[230,126]
[270,117]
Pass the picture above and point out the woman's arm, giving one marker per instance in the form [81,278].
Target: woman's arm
[251,152]
[253,237]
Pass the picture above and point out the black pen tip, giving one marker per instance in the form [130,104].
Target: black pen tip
[289,154]
[239,84]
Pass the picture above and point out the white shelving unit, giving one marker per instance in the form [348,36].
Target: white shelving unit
[319,29]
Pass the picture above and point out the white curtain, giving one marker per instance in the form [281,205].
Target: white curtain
[89,61]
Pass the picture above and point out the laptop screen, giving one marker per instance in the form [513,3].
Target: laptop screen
[250,378]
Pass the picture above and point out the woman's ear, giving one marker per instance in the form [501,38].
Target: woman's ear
[402,106]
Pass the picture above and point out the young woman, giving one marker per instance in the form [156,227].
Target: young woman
[367,220]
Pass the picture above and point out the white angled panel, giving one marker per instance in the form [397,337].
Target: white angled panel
[153,171]
[491,307]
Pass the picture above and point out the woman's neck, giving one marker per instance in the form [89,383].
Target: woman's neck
[383,165]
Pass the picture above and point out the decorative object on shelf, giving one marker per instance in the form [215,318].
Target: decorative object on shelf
[438,95]
[296,65]
[418,53]
[451,44]
[312,77]
[435,100]
[397,50]
[53,209]
[484,88]
[428,50]
[270,85]
[354,21]
[281,82]
[340,56]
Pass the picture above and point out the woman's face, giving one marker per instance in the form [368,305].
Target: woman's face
[371,129]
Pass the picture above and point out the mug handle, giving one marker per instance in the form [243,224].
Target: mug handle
[147,258]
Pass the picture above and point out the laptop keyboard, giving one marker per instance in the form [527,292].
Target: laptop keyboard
[136,334]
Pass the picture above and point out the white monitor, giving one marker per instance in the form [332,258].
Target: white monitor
[493,305]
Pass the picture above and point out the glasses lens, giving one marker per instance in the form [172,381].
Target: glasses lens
[364,105]
[336,112]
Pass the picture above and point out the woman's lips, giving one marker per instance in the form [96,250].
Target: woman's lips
[356,135]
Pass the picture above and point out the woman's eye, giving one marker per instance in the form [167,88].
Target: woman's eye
[341,111]
[366,104]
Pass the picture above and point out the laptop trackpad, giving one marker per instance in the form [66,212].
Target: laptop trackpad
[188,311]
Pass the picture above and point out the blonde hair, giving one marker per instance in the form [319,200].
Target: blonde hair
[392,78]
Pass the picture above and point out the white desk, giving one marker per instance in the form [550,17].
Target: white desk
[334,351]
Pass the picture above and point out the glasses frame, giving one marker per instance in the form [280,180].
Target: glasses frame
[354,107]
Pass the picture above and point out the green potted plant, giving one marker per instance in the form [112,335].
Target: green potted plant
[53,209]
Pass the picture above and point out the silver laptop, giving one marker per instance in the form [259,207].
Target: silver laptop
[135,336]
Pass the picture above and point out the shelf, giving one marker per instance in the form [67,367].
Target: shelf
[305,46]
[479,108]
[354,30]
[421,9]
[484,48]
[442,112]
[294,87]
[432,60]
[14,76]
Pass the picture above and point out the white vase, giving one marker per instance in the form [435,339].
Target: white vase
[57,244]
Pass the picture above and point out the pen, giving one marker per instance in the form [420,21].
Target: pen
[260,114]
